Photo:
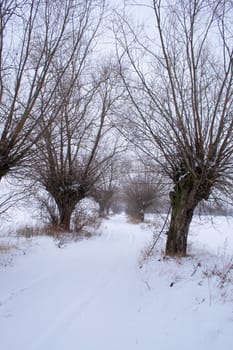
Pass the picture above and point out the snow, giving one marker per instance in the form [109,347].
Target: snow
[92,294]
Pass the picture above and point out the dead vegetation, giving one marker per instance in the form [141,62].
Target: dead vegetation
[6,247]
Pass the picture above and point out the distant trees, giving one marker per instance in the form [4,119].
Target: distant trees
[179,81]
[142,192]
[38,42]
[107,187]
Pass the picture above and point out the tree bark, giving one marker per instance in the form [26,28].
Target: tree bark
[142,216]
[65,218]
[66,208]
[102,212]
[183,201]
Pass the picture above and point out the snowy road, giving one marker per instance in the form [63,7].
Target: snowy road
[91,295]
[77,297]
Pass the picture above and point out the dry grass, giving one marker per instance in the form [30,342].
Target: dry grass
[145,255]
[222,271]
[87,230]
[28,231]
[6,247]
[46,230]
[134,220]
[53,231]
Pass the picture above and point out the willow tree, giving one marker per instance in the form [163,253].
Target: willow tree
[142,193]
[78,146]
[32,36]
[178,77]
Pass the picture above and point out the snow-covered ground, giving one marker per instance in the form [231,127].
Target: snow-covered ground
[93,295]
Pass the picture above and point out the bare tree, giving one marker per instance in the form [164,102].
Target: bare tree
[181,96]
[109,183]
[33,36]
[142,192]
[10,196]
[75,149]
[105,188]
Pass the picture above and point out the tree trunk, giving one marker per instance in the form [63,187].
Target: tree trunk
[66,209]
[102,210]
[66,201]
[107,209]
[65,218]
[183,202]
[140,216]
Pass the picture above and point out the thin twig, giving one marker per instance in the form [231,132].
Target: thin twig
[160,233]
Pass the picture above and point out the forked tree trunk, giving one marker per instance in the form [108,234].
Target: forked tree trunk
[65,211]
[65,218]
[183,202]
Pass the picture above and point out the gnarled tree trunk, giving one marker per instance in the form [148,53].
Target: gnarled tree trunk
[66,204]
[183,202]
[65,213]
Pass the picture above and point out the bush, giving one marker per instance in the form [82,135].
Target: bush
[86,216]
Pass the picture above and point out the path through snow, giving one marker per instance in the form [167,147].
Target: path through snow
[77,297]
[91,295]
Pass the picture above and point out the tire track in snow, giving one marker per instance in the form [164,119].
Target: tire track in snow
[75,310]
[111,239]
[80,284]
[18,292]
